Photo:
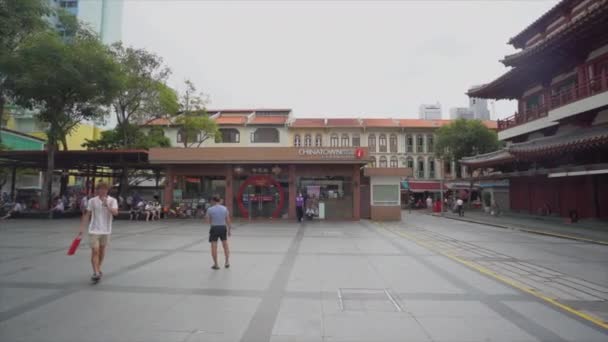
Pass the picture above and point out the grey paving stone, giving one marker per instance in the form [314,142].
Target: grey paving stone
[466,329]
[563,325]
[372,326]
[11,298]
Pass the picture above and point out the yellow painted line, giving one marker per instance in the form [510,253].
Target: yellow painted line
[533,231]
[564,236]
[597,321]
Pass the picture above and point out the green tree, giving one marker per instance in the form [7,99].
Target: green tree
[196,125]
[67,80]
[464,138]
[144,94]
[18,20]
[113,139]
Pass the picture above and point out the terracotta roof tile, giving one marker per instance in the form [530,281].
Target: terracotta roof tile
[380,123]
[311,123]
[343,122]
[419,123]
[231,119]
[159,122]
[269,120]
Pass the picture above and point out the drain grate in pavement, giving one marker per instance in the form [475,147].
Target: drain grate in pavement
[368,300]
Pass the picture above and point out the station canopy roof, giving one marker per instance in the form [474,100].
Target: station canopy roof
[81,159]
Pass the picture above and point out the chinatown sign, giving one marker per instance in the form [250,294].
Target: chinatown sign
[332,153]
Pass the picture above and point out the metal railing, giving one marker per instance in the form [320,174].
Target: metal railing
[592,87]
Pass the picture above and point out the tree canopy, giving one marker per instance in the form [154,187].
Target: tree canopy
[18,20]
[196,125]
[113,139]
[464,138]
[143,94]
[67,80]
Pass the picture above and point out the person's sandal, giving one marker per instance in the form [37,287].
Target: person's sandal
[227,265]
[215,267]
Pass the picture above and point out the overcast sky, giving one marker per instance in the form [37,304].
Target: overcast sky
[332,58]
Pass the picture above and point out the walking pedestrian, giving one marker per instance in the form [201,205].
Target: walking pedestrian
[101,210]
[429,203]
[459,206]
[221,226]
[300,206]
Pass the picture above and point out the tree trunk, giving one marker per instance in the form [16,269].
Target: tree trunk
[2,103]
[124,183]
[45,200]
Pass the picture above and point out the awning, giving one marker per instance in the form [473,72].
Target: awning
[415,186]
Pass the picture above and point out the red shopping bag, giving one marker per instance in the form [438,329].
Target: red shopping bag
[74,245]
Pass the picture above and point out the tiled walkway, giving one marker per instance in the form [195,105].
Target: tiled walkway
[288,282]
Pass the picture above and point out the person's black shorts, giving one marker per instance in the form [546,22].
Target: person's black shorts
[218,232]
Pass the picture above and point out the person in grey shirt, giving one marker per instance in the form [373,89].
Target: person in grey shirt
[219,220]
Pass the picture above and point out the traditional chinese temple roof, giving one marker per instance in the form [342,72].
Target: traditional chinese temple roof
[578,140]
[547,147]
[589,23]
[520,39]
[554,49]
[488,159]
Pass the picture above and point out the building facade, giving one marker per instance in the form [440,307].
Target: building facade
[430,111]
[479,108]
[461,113]
[556,158]
[103,16]
[276,150]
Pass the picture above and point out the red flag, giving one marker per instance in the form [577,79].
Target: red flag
[74,245]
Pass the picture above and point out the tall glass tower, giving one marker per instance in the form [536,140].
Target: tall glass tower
[103,16]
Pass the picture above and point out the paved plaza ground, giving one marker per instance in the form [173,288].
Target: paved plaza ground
[424,279]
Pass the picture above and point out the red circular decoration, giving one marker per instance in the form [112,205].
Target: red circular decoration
[260,180]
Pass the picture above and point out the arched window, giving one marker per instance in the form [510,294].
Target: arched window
[265,135]
[393,143]
[394,162]
[345,141]
[420,143]
[403,162]
[183,137]
[296,140]
[431,168]
[356,140]
[372,163]
[371,142]
[429,143]
[420,171]
[333,140]
[228,135]
[410,163]
[307,140]
[383,161]
[318,140]
[382,142]
[409,143]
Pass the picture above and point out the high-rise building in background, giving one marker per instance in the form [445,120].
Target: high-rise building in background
[103,16]
[461,113]
[430,111]
[479,107]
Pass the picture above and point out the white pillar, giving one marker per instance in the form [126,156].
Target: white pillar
[426,167]
[453,168]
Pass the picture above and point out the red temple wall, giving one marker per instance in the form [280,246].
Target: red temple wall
[535,195]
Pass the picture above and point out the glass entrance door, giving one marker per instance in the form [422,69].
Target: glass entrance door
[261,198]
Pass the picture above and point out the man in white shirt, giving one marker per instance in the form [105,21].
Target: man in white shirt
[459,205]
[101,210]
